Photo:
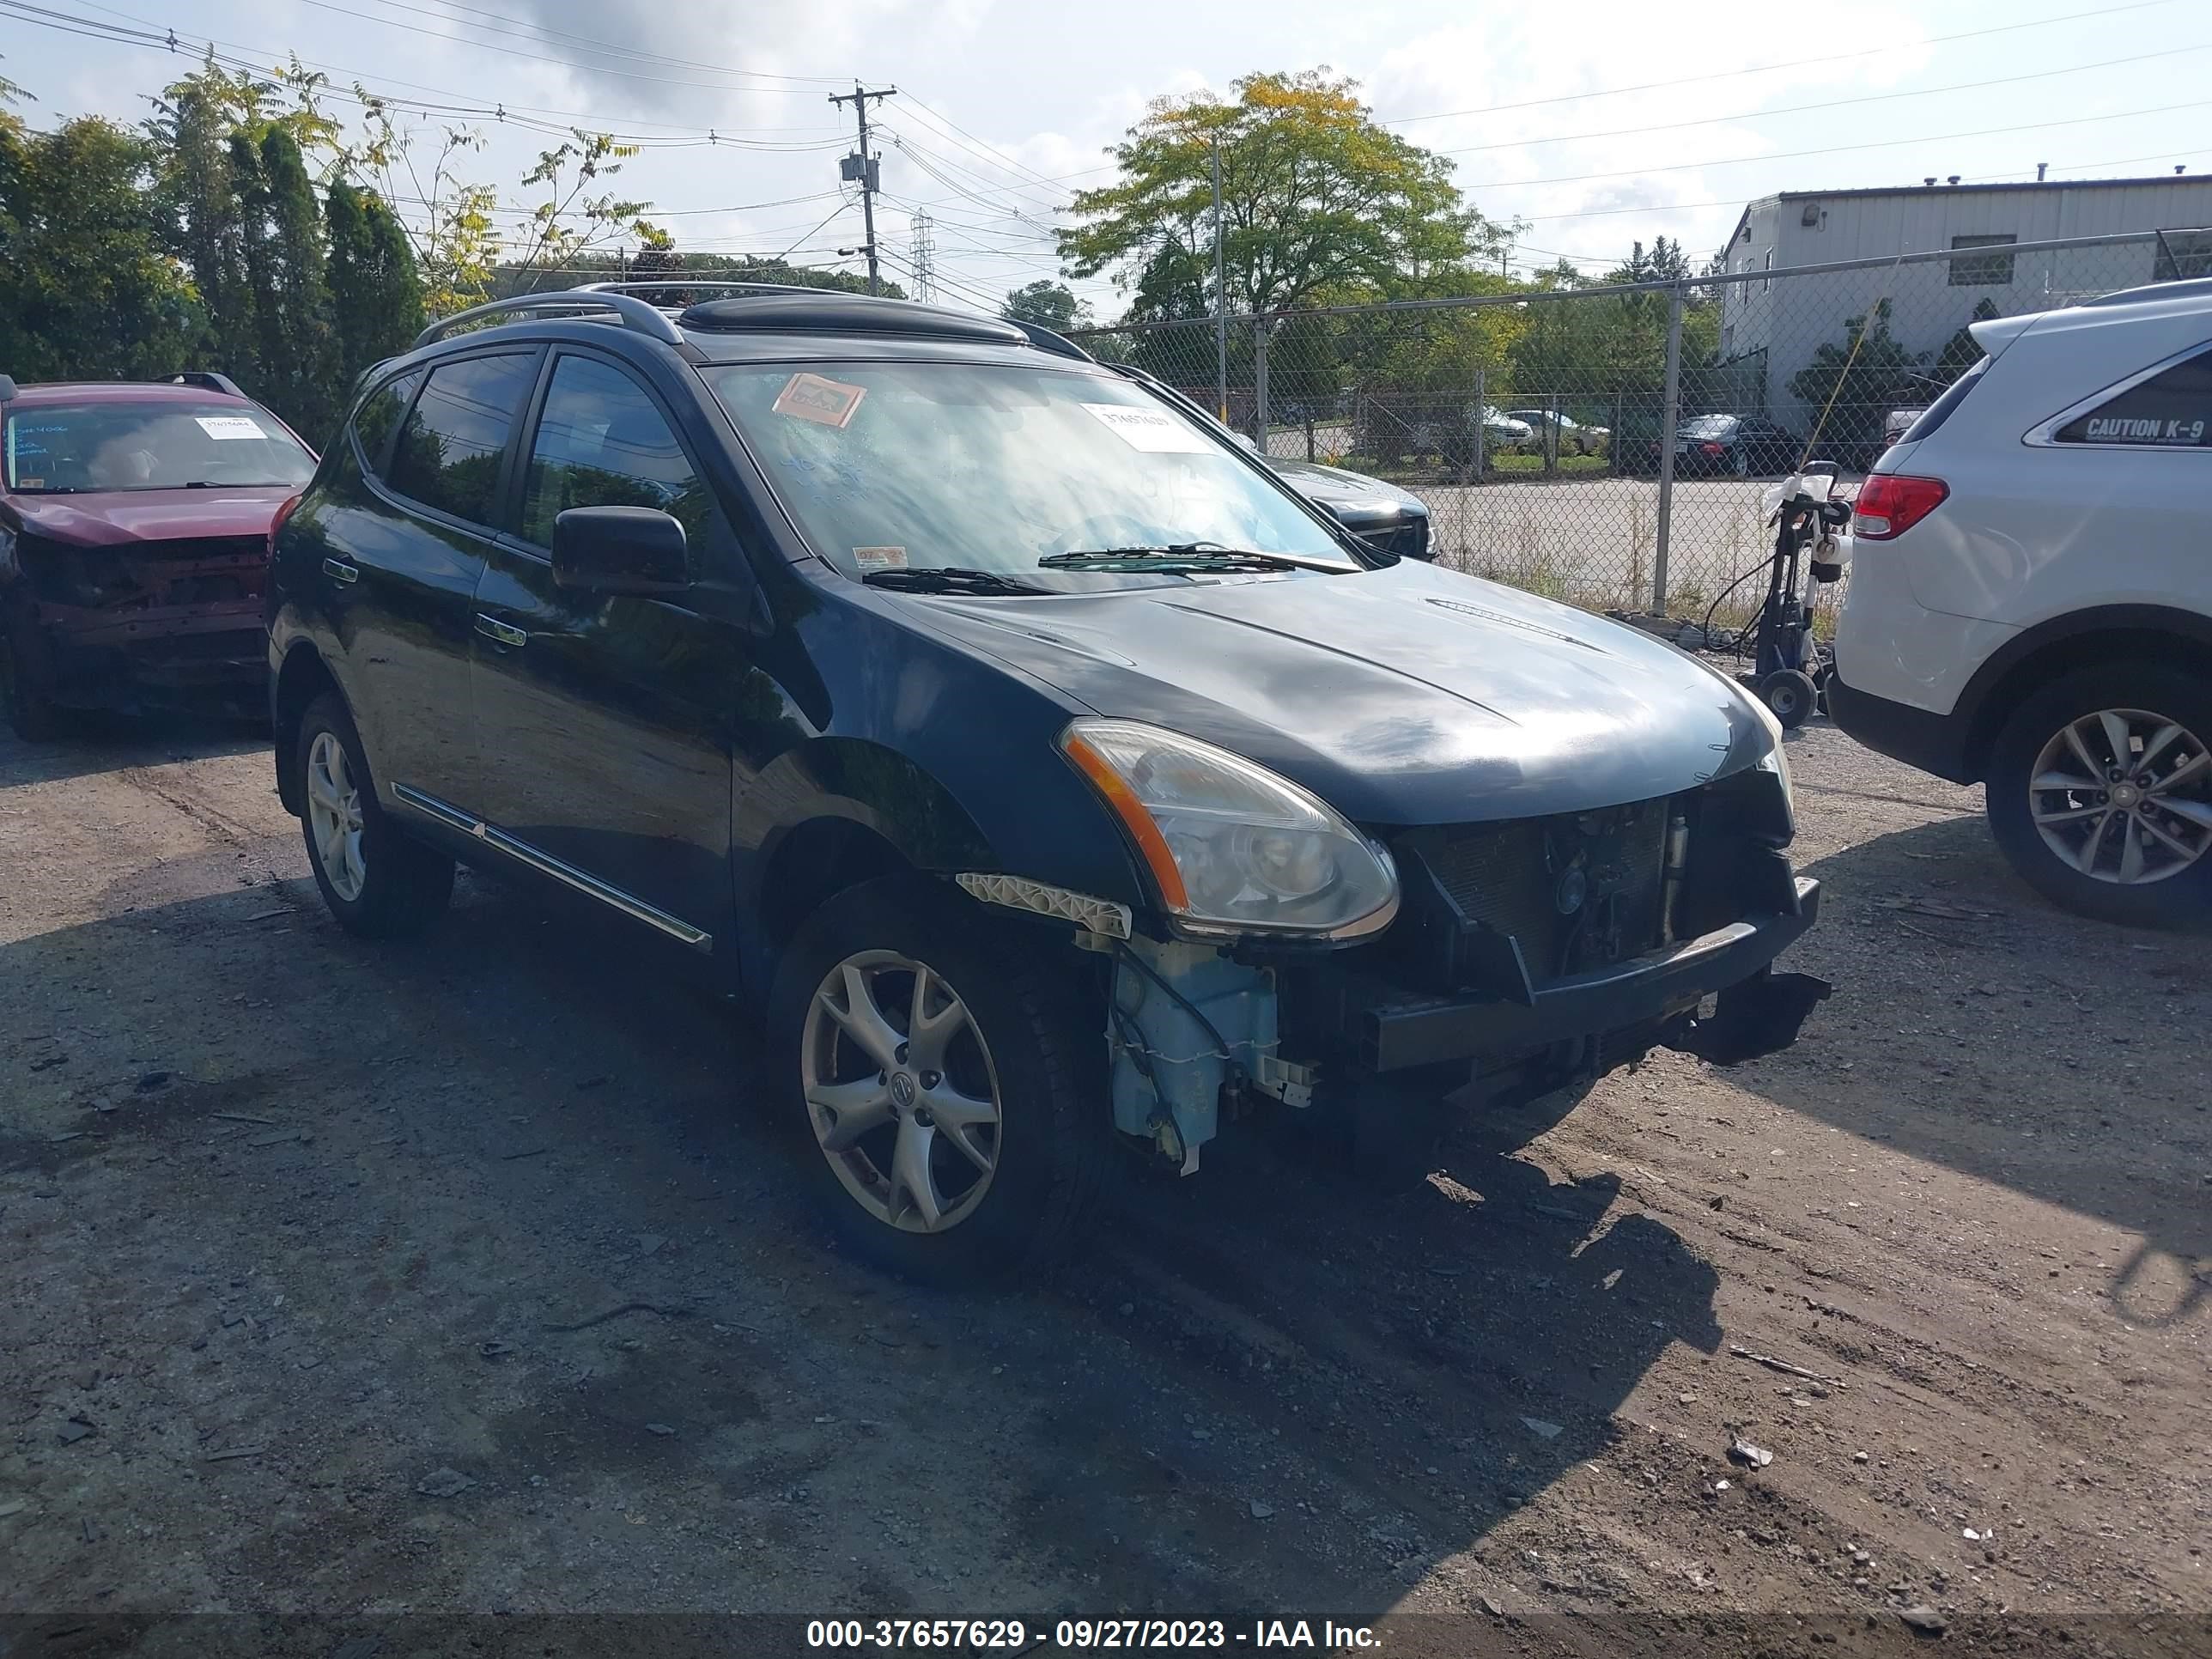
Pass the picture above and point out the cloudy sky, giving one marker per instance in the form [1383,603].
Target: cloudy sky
[1598,122]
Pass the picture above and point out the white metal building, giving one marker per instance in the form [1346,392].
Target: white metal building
[1788,321]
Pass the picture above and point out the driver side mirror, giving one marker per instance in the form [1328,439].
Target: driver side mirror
[620,550]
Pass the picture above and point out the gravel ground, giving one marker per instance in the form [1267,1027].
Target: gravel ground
[359,1282]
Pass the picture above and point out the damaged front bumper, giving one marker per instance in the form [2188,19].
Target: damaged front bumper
[157,622]
[1388,1031]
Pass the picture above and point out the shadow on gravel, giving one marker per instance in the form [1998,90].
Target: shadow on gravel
[108,743]
[1265,1388]
[1989,1032]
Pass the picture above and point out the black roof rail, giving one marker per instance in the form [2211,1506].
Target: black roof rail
[626,309]
[1046,340]
[642,284]
[831,310]
[207,381]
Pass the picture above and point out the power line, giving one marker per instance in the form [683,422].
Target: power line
[1841,150]
[842,205]
[546,31]
[1824,60]
[1827,104]
[151,36]
[564,62]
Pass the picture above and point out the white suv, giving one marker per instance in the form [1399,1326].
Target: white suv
[2031,598]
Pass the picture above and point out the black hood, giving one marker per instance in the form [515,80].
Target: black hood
[1401,695]
[1331,485]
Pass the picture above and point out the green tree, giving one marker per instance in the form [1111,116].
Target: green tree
[1851,385]
[191,131]
[601,264]
[1315,196]
[1046,303]
[569,220]
[297,345]
[456,244]
[87,289]
[1960,352]
[376,294]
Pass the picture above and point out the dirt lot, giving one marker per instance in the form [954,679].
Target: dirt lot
[366,1282]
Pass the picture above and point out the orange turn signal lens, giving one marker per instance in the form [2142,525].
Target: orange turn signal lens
[1134,818]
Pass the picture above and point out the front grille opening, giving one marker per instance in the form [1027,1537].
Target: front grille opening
[1576,891]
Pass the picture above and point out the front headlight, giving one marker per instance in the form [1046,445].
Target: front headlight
[1232,848]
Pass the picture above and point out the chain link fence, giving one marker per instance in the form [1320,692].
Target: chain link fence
[1608,446]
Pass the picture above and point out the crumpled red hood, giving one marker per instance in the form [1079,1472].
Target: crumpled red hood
[115,517]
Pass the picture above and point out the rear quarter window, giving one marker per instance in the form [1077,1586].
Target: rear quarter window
[2169,409]
[1940,411]
[378,417]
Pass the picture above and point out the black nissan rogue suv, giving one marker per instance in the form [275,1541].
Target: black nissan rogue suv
[1048,774]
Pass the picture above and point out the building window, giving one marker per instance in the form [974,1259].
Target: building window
[1767,264]
[1982,269]
[2182,254]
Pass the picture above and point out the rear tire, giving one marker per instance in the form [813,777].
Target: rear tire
[378,882]
[2134,848]
[976,1152]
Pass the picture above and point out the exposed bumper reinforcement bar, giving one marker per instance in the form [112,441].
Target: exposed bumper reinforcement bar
[1760,1011]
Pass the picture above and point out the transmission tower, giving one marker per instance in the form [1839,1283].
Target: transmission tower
[924,260]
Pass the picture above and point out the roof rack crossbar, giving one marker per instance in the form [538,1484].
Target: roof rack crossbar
[632,313]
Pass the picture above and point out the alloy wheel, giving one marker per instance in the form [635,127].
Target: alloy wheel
[2124,796]
[901,1091]
[334,813]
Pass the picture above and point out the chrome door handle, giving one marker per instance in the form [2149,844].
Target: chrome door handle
[339,571]
[499,632]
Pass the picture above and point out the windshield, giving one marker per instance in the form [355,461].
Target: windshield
[63,448]
[913,465]
[1709,425]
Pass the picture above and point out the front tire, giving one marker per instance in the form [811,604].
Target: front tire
[2100,792]
[939,1078]
[377,882]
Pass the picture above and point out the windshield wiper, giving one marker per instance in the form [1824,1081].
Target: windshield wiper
[1203,555]
[948,579]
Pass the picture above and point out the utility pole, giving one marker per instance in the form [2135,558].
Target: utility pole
[925,258]
[862,168]
[1220,300]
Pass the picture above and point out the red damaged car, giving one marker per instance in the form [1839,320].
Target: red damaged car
[134,542]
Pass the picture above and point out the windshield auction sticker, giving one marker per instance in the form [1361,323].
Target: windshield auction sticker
[879,559]
[1152,431]
[825,402]
[229,426]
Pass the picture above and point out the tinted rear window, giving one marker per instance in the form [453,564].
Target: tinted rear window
[2172,410]
[448,453]
[1940,411]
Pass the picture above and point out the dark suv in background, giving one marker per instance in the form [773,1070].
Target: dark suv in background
[1048,772]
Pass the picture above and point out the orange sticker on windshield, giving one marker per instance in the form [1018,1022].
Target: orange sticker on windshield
[811,397]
